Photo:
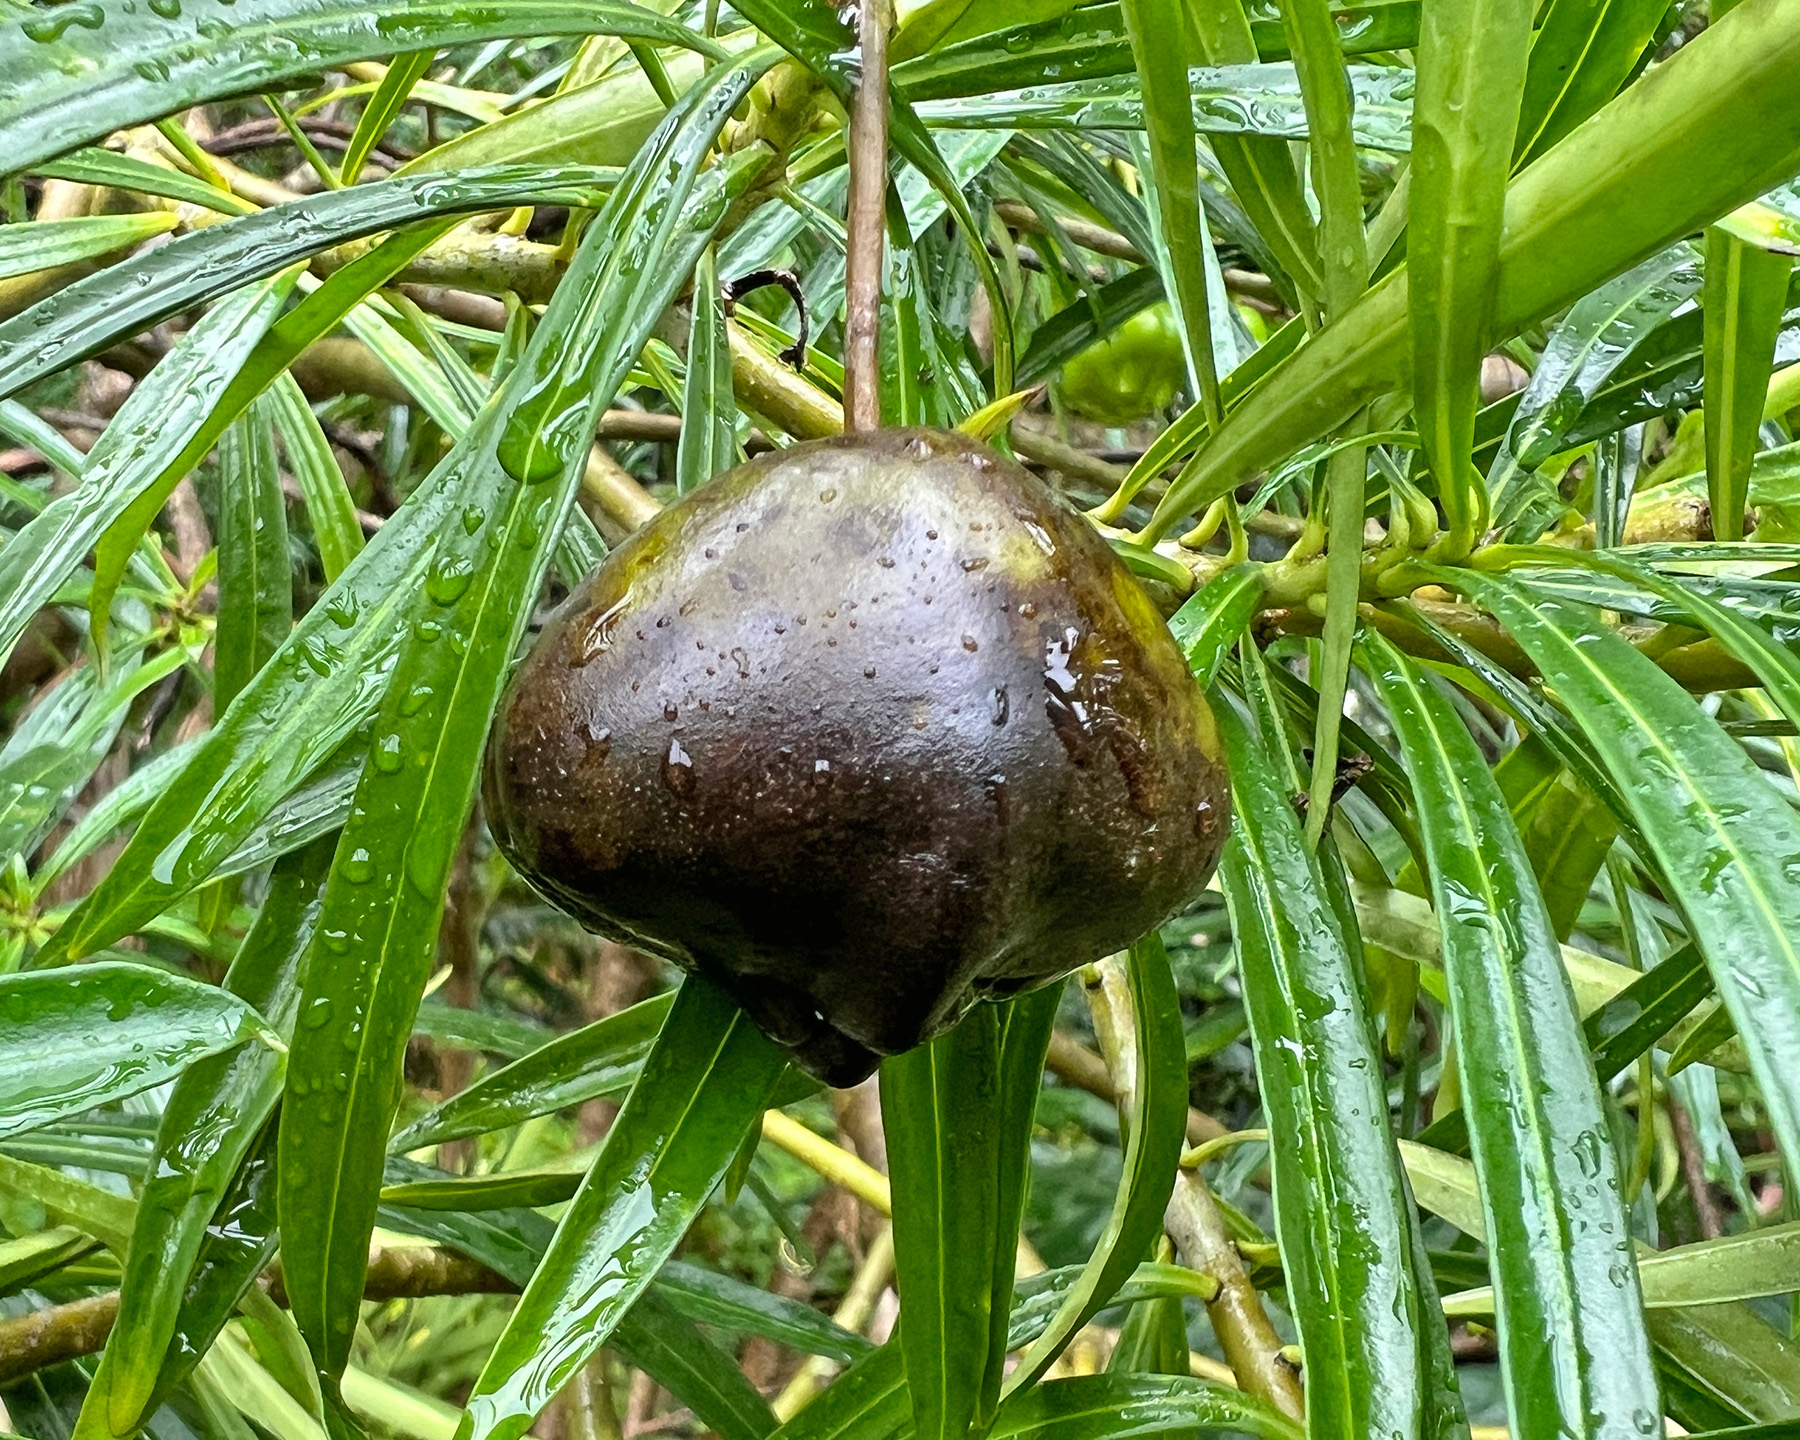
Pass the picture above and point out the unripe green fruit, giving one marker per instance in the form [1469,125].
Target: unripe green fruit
[1136,371]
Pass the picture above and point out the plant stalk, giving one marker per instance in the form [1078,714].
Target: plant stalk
[867,219]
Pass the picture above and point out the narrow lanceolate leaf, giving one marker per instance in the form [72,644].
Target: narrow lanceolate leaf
[79,1036]
[1119,1407]
[379,111]
[597,1060]
[69,77]
[702,1089]
[513,477]
[1471,67]
[1745,295]
[1260,168]
[1154,1132]
[1726,844]
[161,413]
[1336,177]
[940,1108]
[1714,114]
[1775,665]
[84,318]
[211,1121]
[708,444]
[336,532]
[56,749]
[867,1402]
[126,172]
[256,596]
[1208,624]
[1342,1214]
[1588,344]
[1581,55]
[1570,1313]
[1164,45]
[1025,1029]
[44,244]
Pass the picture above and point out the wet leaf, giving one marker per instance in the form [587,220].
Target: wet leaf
[81,1035]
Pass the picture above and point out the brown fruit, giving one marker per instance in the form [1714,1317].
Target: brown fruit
[864,731]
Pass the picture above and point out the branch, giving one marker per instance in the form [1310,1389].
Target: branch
[1251,1346]
[47,1337]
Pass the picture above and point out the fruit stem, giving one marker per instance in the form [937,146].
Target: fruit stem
[867,217]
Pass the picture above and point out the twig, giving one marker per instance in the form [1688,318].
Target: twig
[1074,1064]
[1251,1346]
[833,1162]
[332,134]
[1693,1170]
[867,219]
[49,1336]
[786,280]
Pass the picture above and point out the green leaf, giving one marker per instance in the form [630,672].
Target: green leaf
[71,77]
[1726,845]
[166,408]
[1261,170]
[126,172]
[385,898]
[869,1401]
[600,1059]
[941,1109]
[211,1122]
[732,1304]
[285,340]
[323,684]
[1118,1407]
[403,72]
[1209,623]
[84,318]
[1593,340]
[56,749]
[1588,210]
[1710,1272]
[1360,1309]
[1775,665]
[256,598]
[1626,1026]
[335,529]
[1247,104]
[1745,296]
[1471,67]
[708,445]
[1163,45]
[1566,828]
[30,1256]
[1732,1353]
[1026,1025]
[1154,1133]
[703,1087]
[46,244]
[1572,1338]
[665,1344]
[958,1115]
[1582,53]
[80,1036]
